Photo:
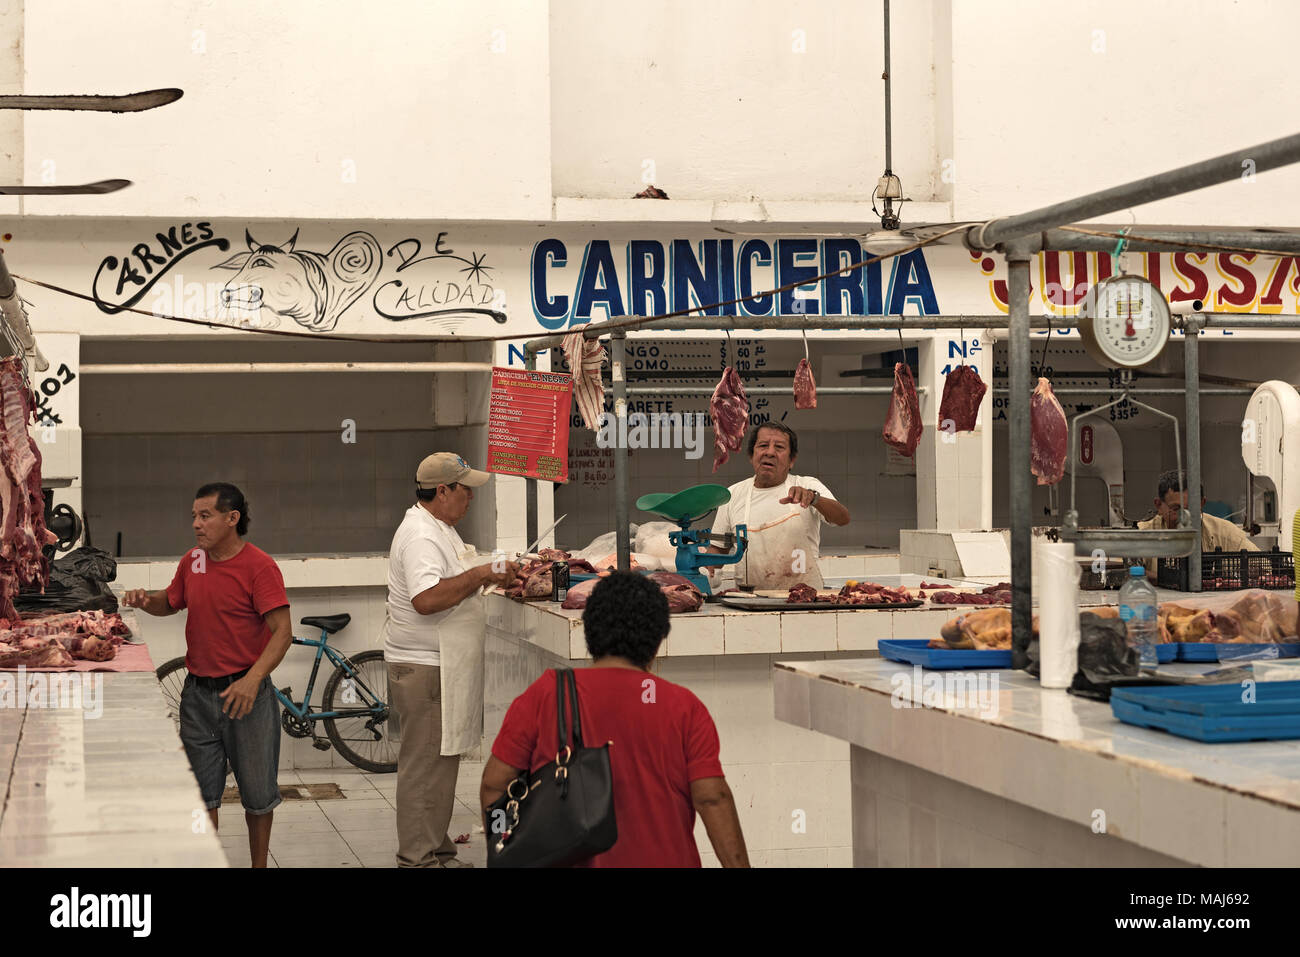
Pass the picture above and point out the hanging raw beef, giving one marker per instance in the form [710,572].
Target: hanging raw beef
[22,561]
[805,387]
[963,391]
[730,410]
[1049,435]
[903,423]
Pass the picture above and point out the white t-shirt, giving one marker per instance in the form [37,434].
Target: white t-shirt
[424,552]
[766,507]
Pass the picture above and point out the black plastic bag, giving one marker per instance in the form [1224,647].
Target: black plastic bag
[77,583]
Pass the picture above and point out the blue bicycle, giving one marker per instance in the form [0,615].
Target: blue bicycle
[354,709]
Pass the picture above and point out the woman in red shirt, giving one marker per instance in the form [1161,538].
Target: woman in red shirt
[664,752]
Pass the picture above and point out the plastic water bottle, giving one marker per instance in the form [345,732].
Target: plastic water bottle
[1137,609]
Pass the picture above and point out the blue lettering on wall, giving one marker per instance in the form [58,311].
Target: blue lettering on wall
[727,281]
[836,254]
[753,251]
[598,284]
[904,289]
[645,269]
[790,255]
[550,313]
[695,282]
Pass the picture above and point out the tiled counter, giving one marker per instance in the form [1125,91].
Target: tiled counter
[1033,777]
[100,780]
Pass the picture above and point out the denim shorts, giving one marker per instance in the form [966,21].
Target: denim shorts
[251,746]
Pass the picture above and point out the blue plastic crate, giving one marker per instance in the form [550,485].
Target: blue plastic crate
[1214,713]
[916,651]
[1226,651]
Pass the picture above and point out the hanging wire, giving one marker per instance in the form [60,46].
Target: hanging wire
[962,331]
[1042,362]
[805,344]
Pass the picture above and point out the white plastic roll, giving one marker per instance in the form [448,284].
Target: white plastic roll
[1056,587]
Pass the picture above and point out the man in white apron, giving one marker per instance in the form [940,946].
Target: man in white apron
[783,512]
[433,645]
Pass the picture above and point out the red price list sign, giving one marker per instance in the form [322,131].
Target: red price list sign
[528,424]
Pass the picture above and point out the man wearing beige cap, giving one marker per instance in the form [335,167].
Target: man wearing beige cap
[433,644]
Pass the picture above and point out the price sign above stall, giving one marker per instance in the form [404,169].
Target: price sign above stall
[528,424]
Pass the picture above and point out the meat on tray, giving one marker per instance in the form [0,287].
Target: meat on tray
[903,423]
[730,410]
[999,594]
[988,629]
[1048,435]
[963,391]
[681,594]
[853,593]
[22,561]
[35,652]
[805,387]
[1257,617]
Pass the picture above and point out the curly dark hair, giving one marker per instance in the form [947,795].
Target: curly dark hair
[626,616]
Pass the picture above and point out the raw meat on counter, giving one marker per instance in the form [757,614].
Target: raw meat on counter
[22,562]
[97,623]
[585,357]
[988,629]
[730,410]
[999,594]
[805,387]
[903,423]
[681,594]
[1049,435]
[963,391]
[1256,617]
[853,593]
[87,647]
[35,652]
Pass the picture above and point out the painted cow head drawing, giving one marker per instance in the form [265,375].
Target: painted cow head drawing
[311,288]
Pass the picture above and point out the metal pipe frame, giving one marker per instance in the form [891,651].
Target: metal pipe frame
[1191,373]
[1208,240]
[189,368]
[530,484]
[768,390]
[1107,392]
[618,362]
[1148,189]
[1018,256]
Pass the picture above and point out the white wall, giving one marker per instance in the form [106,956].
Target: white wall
[488,111]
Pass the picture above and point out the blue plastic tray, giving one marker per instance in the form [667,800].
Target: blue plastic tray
[1166,653]
[915,651]
[1213,713]
[1227,651]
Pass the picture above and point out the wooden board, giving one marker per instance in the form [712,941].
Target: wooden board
[756,603]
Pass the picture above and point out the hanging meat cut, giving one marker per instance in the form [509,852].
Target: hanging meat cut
[585,357]
[805,386]
[730,410]
[963,391]
[22,562]
[1049,435]
[903,423]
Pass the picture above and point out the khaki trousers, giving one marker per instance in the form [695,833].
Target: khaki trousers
[426,779]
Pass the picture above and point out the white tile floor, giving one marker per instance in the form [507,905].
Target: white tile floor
[357,830]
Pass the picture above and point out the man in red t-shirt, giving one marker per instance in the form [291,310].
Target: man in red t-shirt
[237,631]
[664,746]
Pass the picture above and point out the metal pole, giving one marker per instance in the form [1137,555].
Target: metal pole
[1117,389]
[1067,240]
[530,484]
[1149,189]
[1022,596]
[767,390]
[190,368]
[889,138]
[1191,371]
[618,359]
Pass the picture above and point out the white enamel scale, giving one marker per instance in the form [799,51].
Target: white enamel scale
[1125,322]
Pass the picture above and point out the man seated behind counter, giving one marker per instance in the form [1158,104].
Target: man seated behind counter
[1215,532]
[783,513]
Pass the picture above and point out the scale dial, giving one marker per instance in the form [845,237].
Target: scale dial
[1125,322]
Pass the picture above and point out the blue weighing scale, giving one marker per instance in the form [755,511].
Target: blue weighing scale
[684,507]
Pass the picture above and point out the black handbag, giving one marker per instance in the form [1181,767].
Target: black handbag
[563,813]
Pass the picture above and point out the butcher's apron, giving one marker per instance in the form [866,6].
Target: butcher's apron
[773,553]
[461,636]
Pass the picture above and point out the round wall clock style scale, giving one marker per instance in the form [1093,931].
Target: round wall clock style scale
[1125,322]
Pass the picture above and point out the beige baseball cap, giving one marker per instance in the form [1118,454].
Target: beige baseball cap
[443,468]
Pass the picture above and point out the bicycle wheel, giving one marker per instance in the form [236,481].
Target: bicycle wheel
[171,676]
[353,736]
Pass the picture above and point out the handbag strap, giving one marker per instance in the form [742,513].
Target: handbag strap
[573,700]
[562,729]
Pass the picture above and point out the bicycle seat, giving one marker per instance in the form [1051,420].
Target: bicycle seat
[330,623]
